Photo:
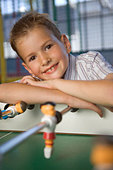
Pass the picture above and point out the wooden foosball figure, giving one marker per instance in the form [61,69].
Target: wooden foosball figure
[102,153]
[51,117]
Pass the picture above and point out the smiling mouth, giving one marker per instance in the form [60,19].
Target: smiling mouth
[51,69]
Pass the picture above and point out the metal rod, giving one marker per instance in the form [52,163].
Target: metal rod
[66,110]
[6,147]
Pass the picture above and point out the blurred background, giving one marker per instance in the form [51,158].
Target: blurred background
[87,23]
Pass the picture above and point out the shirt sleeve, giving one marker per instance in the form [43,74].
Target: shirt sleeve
[100,68]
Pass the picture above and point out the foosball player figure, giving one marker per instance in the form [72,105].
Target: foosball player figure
[51,117]
[102,153]
[11,111]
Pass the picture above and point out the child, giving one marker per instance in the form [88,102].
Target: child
[46,55]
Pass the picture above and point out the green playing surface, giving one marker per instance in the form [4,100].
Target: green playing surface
[71,152]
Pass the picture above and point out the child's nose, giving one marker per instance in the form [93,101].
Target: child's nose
[45,61]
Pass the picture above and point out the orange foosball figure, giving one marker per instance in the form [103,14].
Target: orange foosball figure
[51,119]
[102,153]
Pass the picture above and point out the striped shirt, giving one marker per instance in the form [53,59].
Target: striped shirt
[88,66]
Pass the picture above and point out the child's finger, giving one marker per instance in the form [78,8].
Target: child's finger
[78,103]
[99,111]
[26,78]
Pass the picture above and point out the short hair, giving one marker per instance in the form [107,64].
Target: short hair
[28,22]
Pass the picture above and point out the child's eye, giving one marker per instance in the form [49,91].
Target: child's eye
[32,58]
[48,46]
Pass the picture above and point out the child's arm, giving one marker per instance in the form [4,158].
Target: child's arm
[14,92]
[96,91]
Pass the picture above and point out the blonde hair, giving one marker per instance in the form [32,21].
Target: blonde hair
[28,22]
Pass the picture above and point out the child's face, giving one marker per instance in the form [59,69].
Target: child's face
[44,55]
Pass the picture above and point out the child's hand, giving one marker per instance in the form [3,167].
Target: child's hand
[46,83]
[29,80]
[79,103]
[34,82]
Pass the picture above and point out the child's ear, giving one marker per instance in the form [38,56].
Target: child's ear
[66,43]
[29,70]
